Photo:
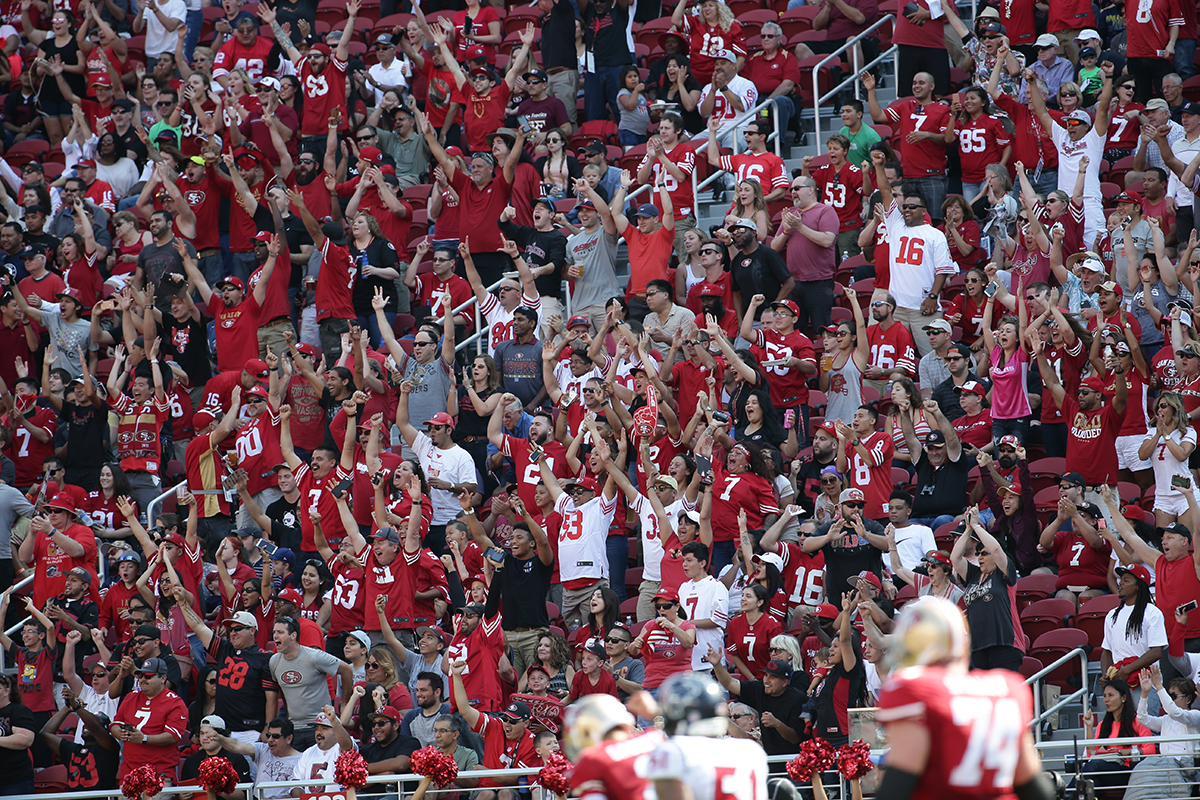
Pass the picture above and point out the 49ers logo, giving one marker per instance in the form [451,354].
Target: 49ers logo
[194,197]
[144,437]
[291,677]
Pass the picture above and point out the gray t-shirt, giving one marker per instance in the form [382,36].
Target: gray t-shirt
[419,726]
[596,252]
[431,387]
[272,768]
[302,680]
[636,674]
[1151,333]
[65,337]
[13,504]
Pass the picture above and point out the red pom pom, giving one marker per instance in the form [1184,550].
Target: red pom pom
[816,755]
[854,760]
[141,781]
[217,774]
[554,776]
[350,770]
[433,763]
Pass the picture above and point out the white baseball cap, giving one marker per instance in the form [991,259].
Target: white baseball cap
[1046,40]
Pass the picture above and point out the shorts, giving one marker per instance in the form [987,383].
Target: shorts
[1172,502]
[54,108]
[1127,453]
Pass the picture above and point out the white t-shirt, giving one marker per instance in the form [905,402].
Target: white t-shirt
[452,464]
[395,75]
[272,768]
[706,599]
[918,254]
[739,766]
[582,537]
[652,548]
[1121,645]
[97,704]
[158,39]
[912,543]
[1069,153]
[317,765]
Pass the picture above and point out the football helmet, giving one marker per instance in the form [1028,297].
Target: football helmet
[589,720]
[929,631]
[693,704]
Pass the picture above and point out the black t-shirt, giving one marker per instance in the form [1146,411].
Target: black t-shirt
[285,523]
[989,607]
[243,678]
[85,428]
[189,773]
[762,272]
[786,708]
[88,614]
[187,341]
[940,490]
[558,37]
[607,36]
[845,556]
[379,253]
[297,237]
[842,690]
[947,399]
[16,765]
[89,766]
[470,423]
[808,481]
[524,588]
[374,752]
[541,248]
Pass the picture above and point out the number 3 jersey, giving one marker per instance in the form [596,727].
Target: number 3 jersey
[978,719]
[715,769]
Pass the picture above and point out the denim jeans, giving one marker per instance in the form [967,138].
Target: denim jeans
[599,90]
[371,324]
[785,109]
[194,21]
[1016,427]
[1185,55]
[629,138]
[618,559]
[242,265]
[722,556]
[933,523]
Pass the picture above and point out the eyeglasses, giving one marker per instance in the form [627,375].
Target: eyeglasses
[579,490]
[379,47]
[840,334]
[442,730]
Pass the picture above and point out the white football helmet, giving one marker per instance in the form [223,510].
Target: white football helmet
[589,720]
[929,631]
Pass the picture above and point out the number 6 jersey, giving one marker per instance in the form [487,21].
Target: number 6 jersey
[977,724]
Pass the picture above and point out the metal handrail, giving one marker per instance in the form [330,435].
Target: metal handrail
[21,584]
[475,337]
[856,70]
[1032,681]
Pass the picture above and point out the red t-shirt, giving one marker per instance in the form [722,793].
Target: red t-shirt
[975,430]
[1175,584]
[204,198]
[648,256]
[480,208]
[1080,564]
[482,114]
[582,685]
[275,298]
[766,168]
[928,156]
[732,492]
[980,142]
[50,578]
[237,330]
[1091,441]
[335,283]
[663,655]
[767,74]
[1018,18]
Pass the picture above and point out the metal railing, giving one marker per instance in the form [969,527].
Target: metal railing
[1082,692]
[477,336]
[855,71]
[21,584]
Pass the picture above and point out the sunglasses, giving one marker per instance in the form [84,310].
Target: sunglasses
[708,251]
[379,723]
[441,259]
[911,206]
[661,606]
[855,505]
[372,665]
[210,681]
[739,716]
[617,640]
[829,480]
[240,628]
[139,642]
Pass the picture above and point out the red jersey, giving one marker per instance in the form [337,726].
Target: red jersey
[707,42]
[873,477]
[979,719]
[789,386]
[751,643]
[1134,423]
[204,198]
[1079,563]
[893,349]
[1067,364]
[684,157]
[1175,584]
[500,752]
[235,55]
[1122,133]
[139,443]
[430,289]
[1068,15]
[322,94]
[483,114]
[663,654]
[481,649]
[1117,320]
[926,157]
[363,498]
[662,453]
[767,169]
[179,398]
[970,315]
[1091,441]
[1072,226]
[275,297]
[843,190]
[529,474]
[315,497]
[164,713]
[688,378]
[335,283]
[205,472]
[189,567]
[732,492]
[101,194]
[103,510]
[53,563]
[348,599]
[608,770]
[803,575]
[26,452]
[980,142]
[969,230]
[116,599]
[236,329]
[1148,27]
[581,684]
[258,450]
[83,275]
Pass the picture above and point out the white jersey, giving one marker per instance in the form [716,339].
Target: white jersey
[706,599]
[715,769]
[918,253]
[582,537]
[1166,465]
[499,319]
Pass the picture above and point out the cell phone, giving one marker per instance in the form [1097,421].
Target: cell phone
[1190,605]
[266,547]
[720,417]
[494,554]
[991,289]
[1181,481]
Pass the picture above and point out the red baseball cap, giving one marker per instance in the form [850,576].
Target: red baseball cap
[372,155]
[1094,383]
[712,290]
[441,418]
[292,595]
[670,595]
[257,367]
[101,80]
[87,162]
[229,280]
[307,349]
[1138,571]
[257,391]
[587,482]
[789,305]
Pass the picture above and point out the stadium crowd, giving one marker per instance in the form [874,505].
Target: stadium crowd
[281,495]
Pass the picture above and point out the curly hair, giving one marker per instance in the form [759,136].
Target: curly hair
[724,15]
[560,651]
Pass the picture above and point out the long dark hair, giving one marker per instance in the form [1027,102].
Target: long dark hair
[1133,625]
[1128,714]
[612,608]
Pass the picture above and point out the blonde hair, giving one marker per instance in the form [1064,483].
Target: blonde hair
[760,202]
[724,15]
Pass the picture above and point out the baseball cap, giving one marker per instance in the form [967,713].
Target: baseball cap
[475,609]
[267,82]
[1046,40]
[230,280]
[388,535]
[1128,196]
[726,55]
[35,208]
[1086,34]
[153,666]
[648,210]
[851,496]
[668,480]
[1079,115]
[974,387]
[101,79]
[779,668]
[1157,104]
[1072,478]
[938,325]
[827,611]
[307,349]
[536,73]
[587,482]
[124,103]
[1090,508]
[384,38]
[1092,263]
[214,721]
[532,667]
[202,419]
[596,648]
[670,595]
[1189,349]
[82,574]
[578,319]
[441,418]
[481,69]
[323,719]
[32,250]
[388,712]
[74,294]
[1113,287]
[789,305]
[86,162]
[245,619]
[130,555]
[516,711]
[992,26]
[257,367]
[475,52]
[1087,52]
[1013,488]
[934,557]
[361,637]
[1139,571]
[1176,528]
[868,576]
[1094,383]
[257,391]
[63,500]
[263,236]
[742,222]
[769,558]
[291,595]
[585,202]
[709,290]
[935,439]
[284,554]
[593,148]
[1190,108]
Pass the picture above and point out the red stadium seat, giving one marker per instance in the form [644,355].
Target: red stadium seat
[1030,667]
[816,401]
[633,581]
[1054,645]
[1054,466]
[1090,620]
[1046,615]
[906,593]
[1034,587]
[630,607]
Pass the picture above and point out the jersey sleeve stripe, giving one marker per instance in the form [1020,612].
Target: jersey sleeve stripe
[908,711]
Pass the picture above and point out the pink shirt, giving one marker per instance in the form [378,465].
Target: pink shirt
[1009,397]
